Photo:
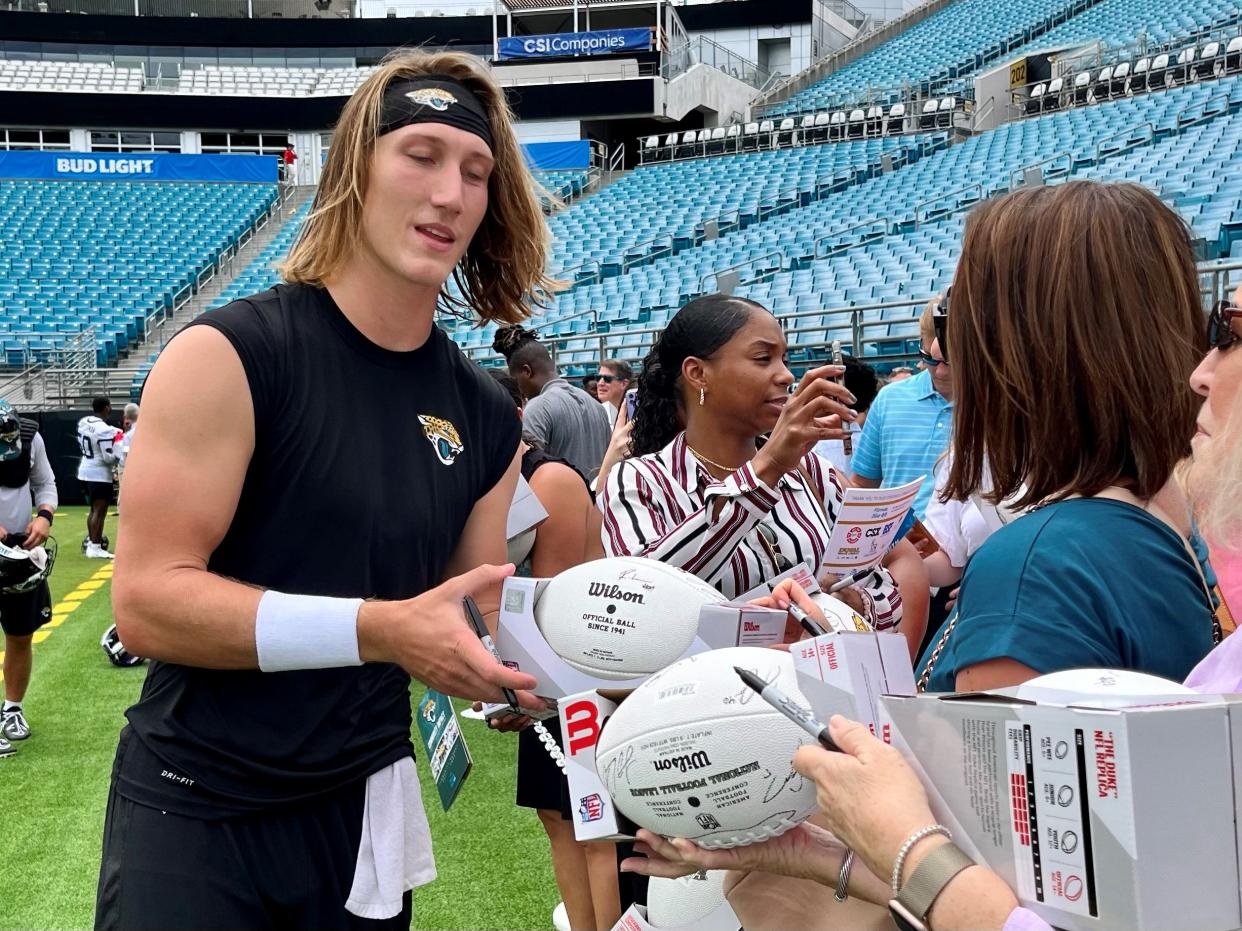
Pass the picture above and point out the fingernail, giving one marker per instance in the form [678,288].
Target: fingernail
[853,398]
[853,414]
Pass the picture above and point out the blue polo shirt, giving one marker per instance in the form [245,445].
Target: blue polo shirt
[908,427]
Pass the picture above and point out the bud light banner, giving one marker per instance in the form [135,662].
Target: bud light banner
[598,42]
[137,166]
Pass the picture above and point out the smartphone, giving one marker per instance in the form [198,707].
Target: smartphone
[631,402]
[847,441]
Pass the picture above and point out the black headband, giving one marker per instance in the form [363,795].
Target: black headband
[436,98]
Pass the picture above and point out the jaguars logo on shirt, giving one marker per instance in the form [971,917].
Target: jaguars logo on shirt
[434,97]
[442,435]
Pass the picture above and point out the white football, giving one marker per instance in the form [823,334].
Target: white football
[682,902]
[693,752]
[623,617]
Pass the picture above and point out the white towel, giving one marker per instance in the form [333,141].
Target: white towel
[394,854]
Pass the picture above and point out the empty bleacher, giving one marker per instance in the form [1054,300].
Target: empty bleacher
[108,255]
[69,77]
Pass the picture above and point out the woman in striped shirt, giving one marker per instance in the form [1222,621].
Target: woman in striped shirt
[699,492]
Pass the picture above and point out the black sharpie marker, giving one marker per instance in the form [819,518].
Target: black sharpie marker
[789,708]
[475,617]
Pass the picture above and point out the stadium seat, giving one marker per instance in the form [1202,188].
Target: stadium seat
[1052,99]
[1121,80]
[875,121]
[1102,89]
[1233,55]
[1183,71]
[927,119]
[750,137]
[767,133]
[1082,88]
[716,141]
[822,121]
[1158,74]
[651,149]
[733,138]
[896,119]
[1138,77]
[944,112]
[1035,103]
[857,125]
[785,133]
[1210,61]
[837,126]
[686,148]
[806,129]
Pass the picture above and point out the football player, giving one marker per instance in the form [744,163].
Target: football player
[25,601]
[97,439]
[266,776]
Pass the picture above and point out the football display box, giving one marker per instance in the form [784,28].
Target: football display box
[1100,816]
[847,672]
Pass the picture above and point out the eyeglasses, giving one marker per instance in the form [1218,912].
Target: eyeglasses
[931,361]
[608,379]
[1220,331]
[768,537]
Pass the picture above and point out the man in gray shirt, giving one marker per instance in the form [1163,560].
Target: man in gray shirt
[26,478]
[566,421]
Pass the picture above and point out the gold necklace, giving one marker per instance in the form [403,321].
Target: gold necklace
[703,459]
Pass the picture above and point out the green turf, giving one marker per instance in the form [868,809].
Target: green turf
[492,856]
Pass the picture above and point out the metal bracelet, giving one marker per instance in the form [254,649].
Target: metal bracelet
[908,846]
[843,879]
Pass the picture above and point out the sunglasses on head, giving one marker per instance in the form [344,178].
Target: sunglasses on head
[1220,331]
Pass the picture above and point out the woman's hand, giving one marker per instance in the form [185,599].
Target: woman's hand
[618,446]
[786,592]
[850,596]
[850,783]
[814,412]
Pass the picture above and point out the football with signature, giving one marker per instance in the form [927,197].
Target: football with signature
[693,752]
[622,617]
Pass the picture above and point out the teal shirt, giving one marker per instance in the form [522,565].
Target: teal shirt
[1080,583]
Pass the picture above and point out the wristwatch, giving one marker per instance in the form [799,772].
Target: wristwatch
[909,910]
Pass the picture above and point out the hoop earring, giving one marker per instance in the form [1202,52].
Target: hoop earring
[702,396]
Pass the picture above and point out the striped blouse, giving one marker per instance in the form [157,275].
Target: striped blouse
[661,506]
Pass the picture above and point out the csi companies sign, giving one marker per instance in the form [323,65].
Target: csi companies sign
[598,42]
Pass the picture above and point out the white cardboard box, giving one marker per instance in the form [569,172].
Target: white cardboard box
[594,815]
[1099,818]
[847,672]
[722,918]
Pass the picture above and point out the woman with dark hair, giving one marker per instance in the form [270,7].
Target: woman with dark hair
[699,493]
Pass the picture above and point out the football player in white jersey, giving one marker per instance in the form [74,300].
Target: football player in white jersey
[97,439]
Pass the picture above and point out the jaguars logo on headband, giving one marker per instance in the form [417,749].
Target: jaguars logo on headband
[443,437]
[434,97]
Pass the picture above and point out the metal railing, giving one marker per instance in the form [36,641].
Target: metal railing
[701,50]
[842,246]
[627,262]
[1204,112]
[1018,175]
[919,217]
[740,265]
[1131,142]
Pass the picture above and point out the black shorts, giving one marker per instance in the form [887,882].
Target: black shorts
[287,868]
[540,782]
[97,491]
[21,615]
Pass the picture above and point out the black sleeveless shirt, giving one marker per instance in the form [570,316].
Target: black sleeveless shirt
[367,464]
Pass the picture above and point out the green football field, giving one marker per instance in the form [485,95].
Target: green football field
[492,856]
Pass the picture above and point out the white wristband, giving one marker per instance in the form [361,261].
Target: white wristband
[306,632]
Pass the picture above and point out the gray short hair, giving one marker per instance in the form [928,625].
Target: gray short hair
[131,413]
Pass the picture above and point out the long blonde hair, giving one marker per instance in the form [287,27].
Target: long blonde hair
[502,272]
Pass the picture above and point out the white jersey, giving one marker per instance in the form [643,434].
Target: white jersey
[97,440]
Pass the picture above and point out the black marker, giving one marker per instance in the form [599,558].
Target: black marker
[858,575]
[804,619]
[789,708]
[847,441]
[475,617]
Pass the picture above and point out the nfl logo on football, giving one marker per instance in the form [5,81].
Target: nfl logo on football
[591,807]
